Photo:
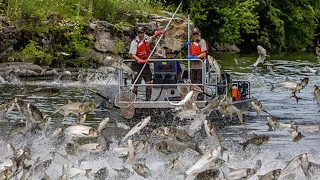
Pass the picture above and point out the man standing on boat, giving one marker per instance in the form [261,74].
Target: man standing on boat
[140,51]
[169,55]
[198,50]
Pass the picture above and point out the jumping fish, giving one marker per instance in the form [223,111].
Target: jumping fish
[143,123]
[296,136]
[204,161]
[81,131]
[103,124]
[184,100]
[212,132]
[142,170]
[215,67]
[292,165]
[294,86]
[257,140]
[262,55]
[272,175]
[243,173]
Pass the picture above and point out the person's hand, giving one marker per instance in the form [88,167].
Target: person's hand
[143,61]
[192,57]
[188,44]
[159,32]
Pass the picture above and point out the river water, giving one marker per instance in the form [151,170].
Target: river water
[274,154]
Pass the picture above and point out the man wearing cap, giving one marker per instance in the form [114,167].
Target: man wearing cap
[140,51]
[198,50]
[169,55]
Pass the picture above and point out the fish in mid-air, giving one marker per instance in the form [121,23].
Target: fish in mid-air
[186,99]
[293,94]
[257,140]
[262,56]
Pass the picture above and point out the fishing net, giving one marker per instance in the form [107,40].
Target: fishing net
[125,101]
[184,89]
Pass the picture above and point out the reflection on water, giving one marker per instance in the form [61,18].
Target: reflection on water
[273,154]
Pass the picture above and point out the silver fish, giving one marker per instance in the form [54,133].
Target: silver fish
[174,163]
[130,152]
[296,136]
[292,165]
[257,140]
[226,108]
[272,175]
[103,124]
[257,106]
[81,118]
[188,112]
[305,165]
[215,67]
[92,147]
[102,173]
[304,82]
[212,132]
[140,146]
[142,170]
[204,161]
[76,171]
[311,128]
[34,113]
[9,107]
[170,146]
[316,94]
[315,71]
[262,56]
[81,131]
[143,123]
[212,104]
[293,86]
[243,173]
[186,99]
[76,108]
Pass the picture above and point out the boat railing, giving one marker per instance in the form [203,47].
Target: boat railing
[212,85]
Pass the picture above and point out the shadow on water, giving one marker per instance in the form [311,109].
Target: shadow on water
[273,154]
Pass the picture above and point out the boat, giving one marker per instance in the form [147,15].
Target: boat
[166,88]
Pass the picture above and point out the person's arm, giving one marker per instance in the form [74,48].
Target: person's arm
[202,55]
[204,49]
[157,33]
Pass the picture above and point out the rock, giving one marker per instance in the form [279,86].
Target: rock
[9,36]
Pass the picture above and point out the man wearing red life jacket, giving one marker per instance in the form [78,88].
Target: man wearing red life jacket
[198,50]
[140,51]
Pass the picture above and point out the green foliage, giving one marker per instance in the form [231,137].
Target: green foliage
[119,46]
[36,54]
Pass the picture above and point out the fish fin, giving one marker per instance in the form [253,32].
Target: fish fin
[87,173]
[272,86]
[197,148]
[69,101]
[244,145]
[287,79]
[297,99]
[254,134]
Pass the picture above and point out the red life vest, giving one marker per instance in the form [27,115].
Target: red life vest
[195,49]
[143,50]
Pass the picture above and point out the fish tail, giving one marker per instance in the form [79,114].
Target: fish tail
[87,173]
[197,148]
[272,86]
[244,145]
[297,99]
